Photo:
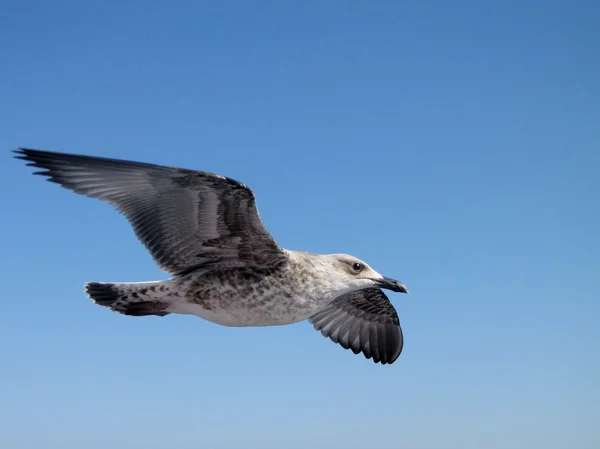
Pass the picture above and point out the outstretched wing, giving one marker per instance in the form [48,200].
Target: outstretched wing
[363,321]
[186,219]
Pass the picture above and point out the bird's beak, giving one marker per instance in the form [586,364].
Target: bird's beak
[391,284]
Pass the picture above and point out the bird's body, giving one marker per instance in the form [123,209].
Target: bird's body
[205,230]
[287,294]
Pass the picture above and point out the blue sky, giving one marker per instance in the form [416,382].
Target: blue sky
[452,145]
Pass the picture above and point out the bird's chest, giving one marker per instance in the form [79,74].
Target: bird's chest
[251,298]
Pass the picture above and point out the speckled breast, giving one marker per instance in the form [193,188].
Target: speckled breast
[249,297]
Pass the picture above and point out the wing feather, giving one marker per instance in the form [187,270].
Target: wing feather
[186,219]
[363,321]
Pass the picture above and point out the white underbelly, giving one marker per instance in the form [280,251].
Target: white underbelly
[239,317]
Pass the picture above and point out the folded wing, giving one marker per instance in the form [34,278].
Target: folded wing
[363,321]
[186,219]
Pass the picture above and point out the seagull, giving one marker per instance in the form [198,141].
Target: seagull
[204,229]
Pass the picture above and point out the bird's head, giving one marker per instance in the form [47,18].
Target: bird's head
[359,275]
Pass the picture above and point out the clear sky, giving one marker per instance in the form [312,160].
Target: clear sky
[453,145]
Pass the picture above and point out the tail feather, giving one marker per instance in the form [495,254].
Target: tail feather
[135,299]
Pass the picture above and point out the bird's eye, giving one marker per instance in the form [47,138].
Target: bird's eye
[357,267]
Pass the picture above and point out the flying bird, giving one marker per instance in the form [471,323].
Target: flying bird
[205,230]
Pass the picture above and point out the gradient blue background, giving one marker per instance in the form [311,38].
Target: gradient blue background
[453,145]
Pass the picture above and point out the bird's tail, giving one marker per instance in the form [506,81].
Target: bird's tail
[136,299]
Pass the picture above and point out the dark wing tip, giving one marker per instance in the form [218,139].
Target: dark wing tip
[394,345]
[23,154]
[21,150]
[35,157]
[27,153]
[363,322]
[39,159]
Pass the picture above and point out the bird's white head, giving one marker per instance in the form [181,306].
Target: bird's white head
[358,275]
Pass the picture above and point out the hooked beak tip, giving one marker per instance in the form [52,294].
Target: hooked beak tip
[392,285]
